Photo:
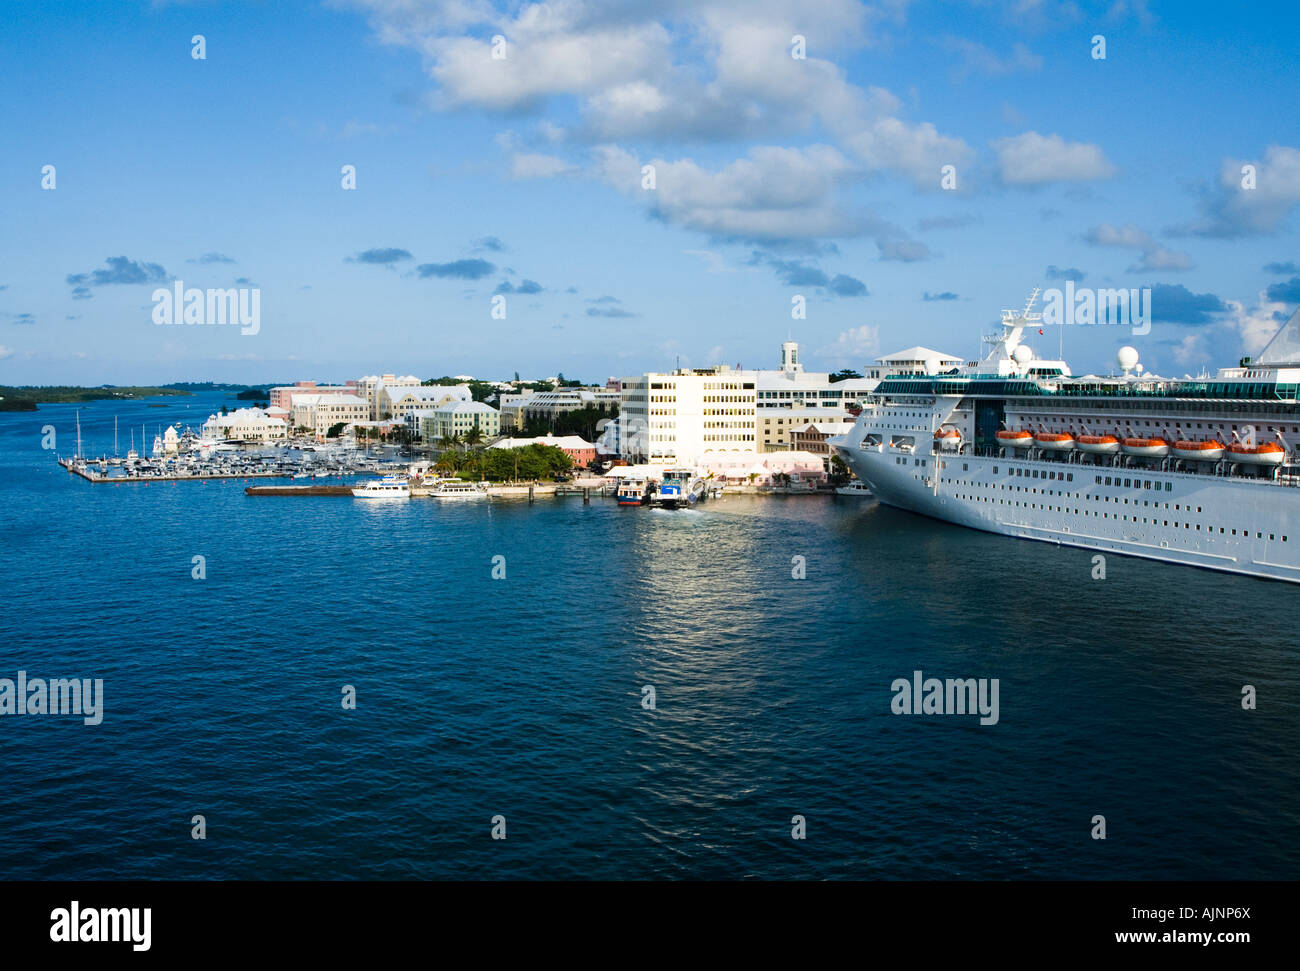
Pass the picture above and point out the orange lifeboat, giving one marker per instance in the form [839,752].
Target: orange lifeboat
[1054,441]
[1150,448]
[1206,451]
[947,438]
[1098,444]
[1016,439]
[1268,453]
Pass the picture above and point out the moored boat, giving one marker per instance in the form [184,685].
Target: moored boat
[389,487]
[855,488]
[457,489]
[632,491]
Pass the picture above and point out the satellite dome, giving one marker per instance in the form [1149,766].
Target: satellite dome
[1022,354]
[1126,358]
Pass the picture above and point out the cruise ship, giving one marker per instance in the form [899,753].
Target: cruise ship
[1203,472]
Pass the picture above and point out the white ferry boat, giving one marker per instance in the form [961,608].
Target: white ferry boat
[1202,472]
[389,487]
[680,487]
[458,489]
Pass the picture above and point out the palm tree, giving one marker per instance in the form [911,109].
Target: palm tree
[473,437]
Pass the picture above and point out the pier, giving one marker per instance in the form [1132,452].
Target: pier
[89,475]
[298,490]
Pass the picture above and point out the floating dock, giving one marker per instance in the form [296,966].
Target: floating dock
[90,476]
[298,491]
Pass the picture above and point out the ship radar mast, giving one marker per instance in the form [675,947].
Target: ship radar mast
[1014,323]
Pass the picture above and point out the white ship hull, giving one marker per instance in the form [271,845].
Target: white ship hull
[1220,523]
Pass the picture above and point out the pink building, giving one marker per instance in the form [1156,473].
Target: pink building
[282,397]
[577,448]
[761,468]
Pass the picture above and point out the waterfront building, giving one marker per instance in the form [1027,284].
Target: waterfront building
[458,418]
[245,425]
[812,437]
[320,412]
[777,425]
[581,451]
[680,415]
[403,404]
[675,417]
[372,386]
[510,406]
[282,396]
[747,468]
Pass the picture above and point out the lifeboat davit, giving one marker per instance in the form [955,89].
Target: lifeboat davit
[1207,451]
[1055,441]
[1269,453]
[1150,448]
[1016,439]
[1098,444]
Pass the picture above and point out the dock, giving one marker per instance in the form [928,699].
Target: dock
[91,476]
[298,490]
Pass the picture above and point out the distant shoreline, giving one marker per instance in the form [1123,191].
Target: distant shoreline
[28,397]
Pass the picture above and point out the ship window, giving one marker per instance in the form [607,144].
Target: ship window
[1169,487]
[1098,482]
[1069,476]
[995,470]
[1107,480]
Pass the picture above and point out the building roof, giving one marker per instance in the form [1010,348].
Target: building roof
[460,407]
[307,400]
[917,353]
[432,392]
[574,443]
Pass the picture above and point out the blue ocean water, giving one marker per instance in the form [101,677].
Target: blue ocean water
[522,697]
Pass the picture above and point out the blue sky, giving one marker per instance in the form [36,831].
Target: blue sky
[775,176]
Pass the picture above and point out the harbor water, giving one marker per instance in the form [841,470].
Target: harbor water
[501,652]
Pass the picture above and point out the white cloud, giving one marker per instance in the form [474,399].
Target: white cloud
[854,346]
[773,193]
[979,59]
[6,352]
[1231,210]
[1126,236]
[1034,159]
[1155,258]
[537,166]
[1256,326]
[1190,350]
